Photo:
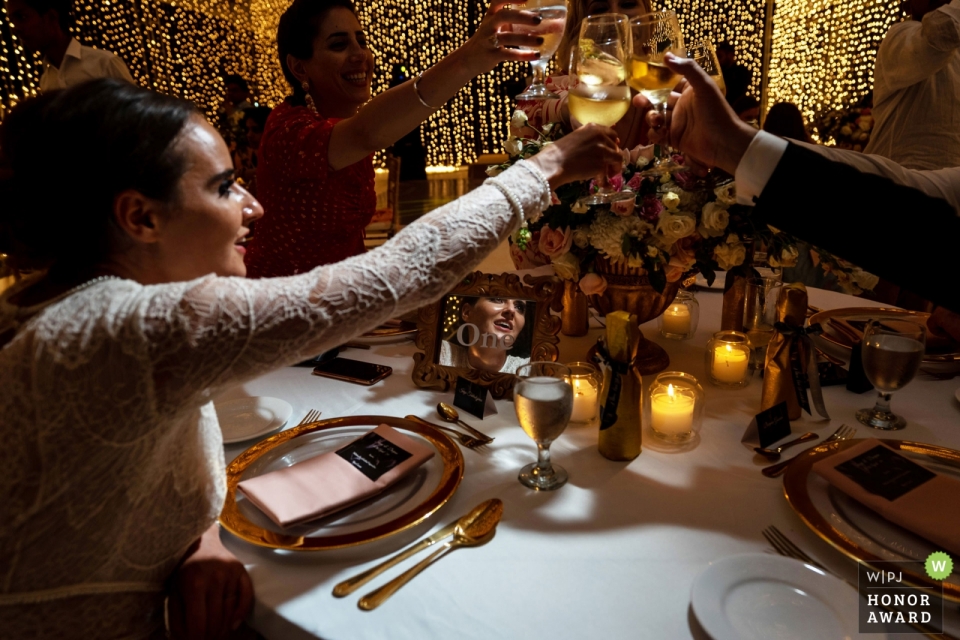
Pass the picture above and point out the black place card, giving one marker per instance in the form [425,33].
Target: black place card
[857,379]
[373,455]
[885,473]
[767,427]
[472,398]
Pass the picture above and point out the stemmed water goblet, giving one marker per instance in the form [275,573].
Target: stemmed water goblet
[553,19]
[654,35]
[891,358]
[599,93]
[543,397]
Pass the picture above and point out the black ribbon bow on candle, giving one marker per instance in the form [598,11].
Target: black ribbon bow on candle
[804,374]
[608,415]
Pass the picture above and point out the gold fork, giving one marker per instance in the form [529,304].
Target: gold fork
[466,440]
[842,433]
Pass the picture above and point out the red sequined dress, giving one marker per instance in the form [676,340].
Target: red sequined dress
[313,215]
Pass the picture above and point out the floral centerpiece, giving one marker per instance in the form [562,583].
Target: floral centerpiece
[846,128]
[675,224]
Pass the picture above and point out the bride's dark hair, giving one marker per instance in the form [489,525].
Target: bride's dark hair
[67,155]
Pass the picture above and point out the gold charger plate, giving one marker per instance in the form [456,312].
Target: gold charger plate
[855,530]
[402,506]
[388,333]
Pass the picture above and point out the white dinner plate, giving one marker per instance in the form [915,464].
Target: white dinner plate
[388,334]
[766,597]
[246,418]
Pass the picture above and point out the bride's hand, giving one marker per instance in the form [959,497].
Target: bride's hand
[583,154]
[210,592]
[487,47]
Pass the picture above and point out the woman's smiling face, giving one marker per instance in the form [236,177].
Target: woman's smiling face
[340,71]
[500,317]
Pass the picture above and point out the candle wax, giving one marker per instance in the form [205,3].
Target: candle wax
[676,320]
[671,413]
[584,400]
[729,364]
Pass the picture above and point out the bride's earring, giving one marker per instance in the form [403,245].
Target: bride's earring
[308,98]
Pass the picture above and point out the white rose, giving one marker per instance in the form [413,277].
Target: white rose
[665,178]
[567,267]
[673,227]
[670,200]
[580,207]
[519,119]
[714,221]
[512,146]
[864,280]
[788,257]
[727,194]
[729,255]
[580,237]
[494,170]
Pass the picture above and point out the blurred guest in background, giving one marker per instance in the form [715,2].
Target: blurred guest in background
[916,92]
[44,26]
[785,120]
[747,109]
[736,76]
[230,114]
[246,156]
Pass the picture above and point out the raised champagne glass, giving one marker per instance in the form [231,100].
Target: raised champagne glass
[553,19]
[599,93]
[705,54]
[891,358]
[654,35]
[543,397]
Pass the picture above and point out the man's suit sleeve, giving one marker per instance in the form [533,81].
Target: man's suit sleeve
[898,233]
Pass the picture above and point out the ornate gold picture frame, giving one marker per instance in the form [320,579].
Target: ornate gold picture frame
[435,324]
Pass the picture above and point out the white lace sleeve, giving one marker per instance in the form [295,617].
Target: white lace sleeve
[217,331]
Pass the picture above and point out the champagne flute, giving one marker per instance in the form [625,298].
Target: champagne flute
[891,358]
[553,19]
[543,398]
[705,54]
[655,35]
[599,93]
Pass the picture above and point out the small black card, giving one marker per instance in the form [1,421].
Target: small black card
[773,424]
[470,397]
[857,379]
[885,473]
[373,455]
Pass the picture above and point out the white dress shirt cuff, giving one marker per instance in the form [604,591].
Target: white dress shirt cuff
[757,165]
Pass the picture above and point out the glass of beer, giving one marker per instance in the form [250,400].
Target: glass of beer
[891,358]
[599,93]
[553,19]
[654,35]
[705,54]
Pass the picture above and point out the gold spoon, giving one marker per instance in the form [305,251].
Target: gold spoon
[774,454]
[352,584]
[476,532]
[449,414]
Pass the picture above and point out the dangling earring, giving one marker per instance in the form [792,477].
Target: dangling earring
[308,98]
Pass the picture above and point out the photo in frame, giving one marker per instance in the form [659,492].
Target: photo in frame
[484,329]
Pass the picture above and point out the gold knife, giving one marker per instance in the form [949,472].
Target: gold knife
[350,585]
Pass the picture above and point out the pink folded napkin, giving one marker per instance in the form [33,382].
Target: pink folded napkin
[335,480]
[899,489]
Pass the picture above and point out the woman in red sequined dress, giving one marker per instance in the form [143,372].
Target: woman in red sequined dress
[316,178]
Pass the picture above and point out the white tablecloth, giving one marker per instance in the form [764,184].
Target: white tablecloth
[613,554]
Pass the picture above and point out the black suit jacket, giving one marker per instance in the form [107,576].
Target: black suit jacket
[898,233]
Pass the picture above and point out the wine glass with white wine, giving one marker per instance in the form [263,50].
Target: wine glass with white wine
[655,35]
[553,19]
[891,358]
[705,54]
[543,397]
[599,93]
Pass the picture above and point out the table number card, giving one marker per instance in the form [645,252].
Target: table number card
[767,427]
[473,398]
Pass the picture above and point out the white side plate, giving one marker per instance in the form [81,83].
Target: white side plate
[246,418]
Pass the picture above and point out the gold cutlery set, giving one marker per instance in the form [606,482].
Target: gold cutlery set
[476,528]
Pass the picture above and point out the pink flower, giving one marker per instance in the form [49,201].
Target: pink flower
[623,208]
[651,208]
[635,182]
[529,259]
[678,158]
[684,253]
[673,273]
[686,180]
[592,284]
[554,243]
[616,182]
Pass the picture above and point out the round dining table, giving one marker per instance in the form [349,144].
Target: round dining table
[612,554]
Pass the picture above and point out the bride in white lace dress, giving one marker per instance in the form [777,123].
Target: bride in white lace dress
[112,463]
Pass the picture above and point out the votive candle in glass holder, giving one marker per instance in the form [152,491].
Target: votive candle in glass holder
[676,406]
[679,320]
[728,359]
[585,380]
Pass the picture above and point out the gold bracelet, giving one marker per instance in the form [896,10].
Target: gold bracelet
[416,90]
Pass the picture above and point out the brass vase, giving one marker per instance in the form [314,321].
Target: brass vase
[574,320]
[629,289]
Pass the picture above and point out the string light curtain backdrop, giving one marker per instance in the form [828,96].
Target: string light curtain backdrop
[822,53]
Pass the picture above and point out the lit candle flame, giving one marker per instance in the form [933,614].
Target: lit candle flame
[670,392]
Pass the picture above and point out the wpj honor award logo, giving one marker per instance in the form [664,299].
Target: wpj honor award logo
[888,604]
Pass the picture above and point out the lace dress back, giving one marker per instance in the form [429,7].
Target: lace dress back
[111,462]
